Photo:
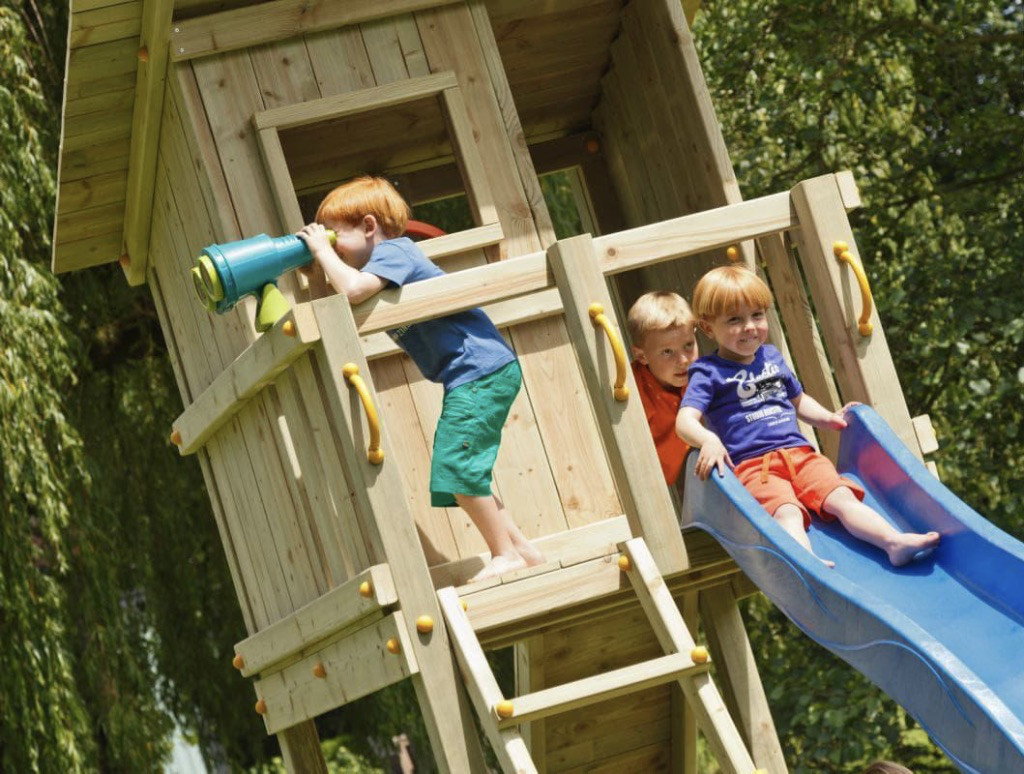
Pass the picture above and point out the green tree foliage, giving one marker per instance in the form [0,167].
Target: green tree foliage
[924,102]
[116,609]
[42,465]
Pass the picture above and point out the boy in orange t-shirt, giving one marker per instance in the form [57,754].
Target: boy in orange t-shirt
[663,332]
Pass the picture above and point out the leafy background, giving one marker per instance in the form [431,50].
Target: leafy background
[117,614]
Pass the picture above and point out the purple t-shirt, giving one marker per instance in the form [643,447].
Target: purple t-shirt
[749,407]
[451,350]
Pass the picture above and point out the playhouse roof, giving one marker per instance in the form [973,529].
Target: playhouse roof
[118,58]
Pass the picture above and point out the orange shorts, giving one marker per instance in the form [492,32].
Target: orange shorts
[798,476]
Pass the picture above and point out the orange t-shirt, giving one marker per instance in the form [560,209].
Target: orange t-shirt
[661,406]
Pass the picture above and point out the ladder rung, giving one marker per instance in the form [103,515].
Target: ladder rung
[608,685]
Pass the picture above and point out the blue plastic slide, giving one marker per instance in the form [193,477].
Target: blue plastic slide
[943,636]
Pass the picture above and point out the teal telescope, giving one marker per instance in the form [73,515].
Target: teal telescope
[226,273]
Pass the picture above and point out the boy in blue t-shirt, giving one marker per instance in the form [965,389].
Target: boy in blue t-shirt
[750,400]
[463,351]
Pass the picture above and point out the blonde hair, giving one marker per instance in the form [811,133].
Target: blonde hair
[886,767]
[354,200]
[723,289]
[658,310]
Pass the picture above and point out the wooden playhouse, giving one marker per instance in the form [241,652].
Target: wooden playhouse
[190,122]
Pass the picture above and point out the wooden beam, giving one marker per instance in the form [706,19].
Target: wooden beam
[353,102]
[267,22]
[701,694]
[737,673]
[390,534]
[462,241]
[147,115]
[256,367]
[343,607]
[622,423]
[618,252]
[482,686]
[601,687]
[353,667]
[863,365]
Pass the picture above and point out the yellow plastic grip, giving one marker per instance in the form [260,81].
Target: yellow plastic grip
[620,390]
[841,249]
[351,373]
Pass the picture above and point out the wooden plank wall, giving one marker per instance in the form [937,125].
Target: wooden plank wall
[275,480]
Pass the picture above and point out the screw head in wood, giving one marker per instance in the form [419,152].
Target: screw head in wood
[699,655]
[839,248]
[505,709]
[624,564]
[319,670]
[366,589]
[393,646]
[424,624]
[732,254]
[288,329]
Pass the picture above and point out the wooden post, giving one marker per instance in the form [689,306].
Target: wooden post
[737,674]
[864,367]
[623,426]
[390,532]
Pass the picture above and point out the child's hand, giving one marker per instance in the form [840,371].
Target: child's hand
[837,419]
[315,237]
[712,455]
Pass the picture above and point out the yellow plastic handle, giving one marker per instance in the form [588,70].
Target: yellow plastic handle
[351,373]
[841,249]
[620,390]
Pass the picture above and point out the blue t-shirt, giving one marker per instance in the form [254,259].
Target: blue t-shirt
[749,407]
[450,350]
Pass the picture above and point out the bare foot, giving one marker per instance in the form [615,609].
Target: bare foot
[528,551]
[498,565]
[909,544]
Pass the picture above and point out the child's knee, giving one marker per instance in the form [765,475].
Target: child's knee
[790,516]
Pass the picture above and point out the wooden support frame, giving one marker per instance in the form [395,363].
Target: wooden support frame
[482,687]
[256,367]
[350,668]
[278,20]
[609,685]
[737,673]
[340,611]
[392,538]
[444,87]
[147,115]
[863,365]
[618,252]
[701,693]
[622,424]
[521,289]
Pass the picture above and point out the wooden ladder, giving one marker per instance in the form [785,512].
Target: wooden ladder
[683,662]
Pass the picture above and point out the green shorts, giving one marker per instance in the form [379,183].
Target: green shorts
[468,433]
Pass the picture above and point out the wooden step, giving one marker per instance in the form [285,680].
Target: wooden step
[598,688]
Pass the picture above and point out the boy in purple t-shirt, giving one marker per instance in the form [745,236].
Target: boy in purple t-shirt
[750,400]
[463,351]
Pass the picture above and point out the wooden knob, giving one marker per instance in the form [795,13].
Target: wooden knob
[176,437]
[238,662]
[393,646]
[505,709]
[288,328]
[624,564]
[424,624]
[366,589]
[319,670]
[699,655]
[261,707]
